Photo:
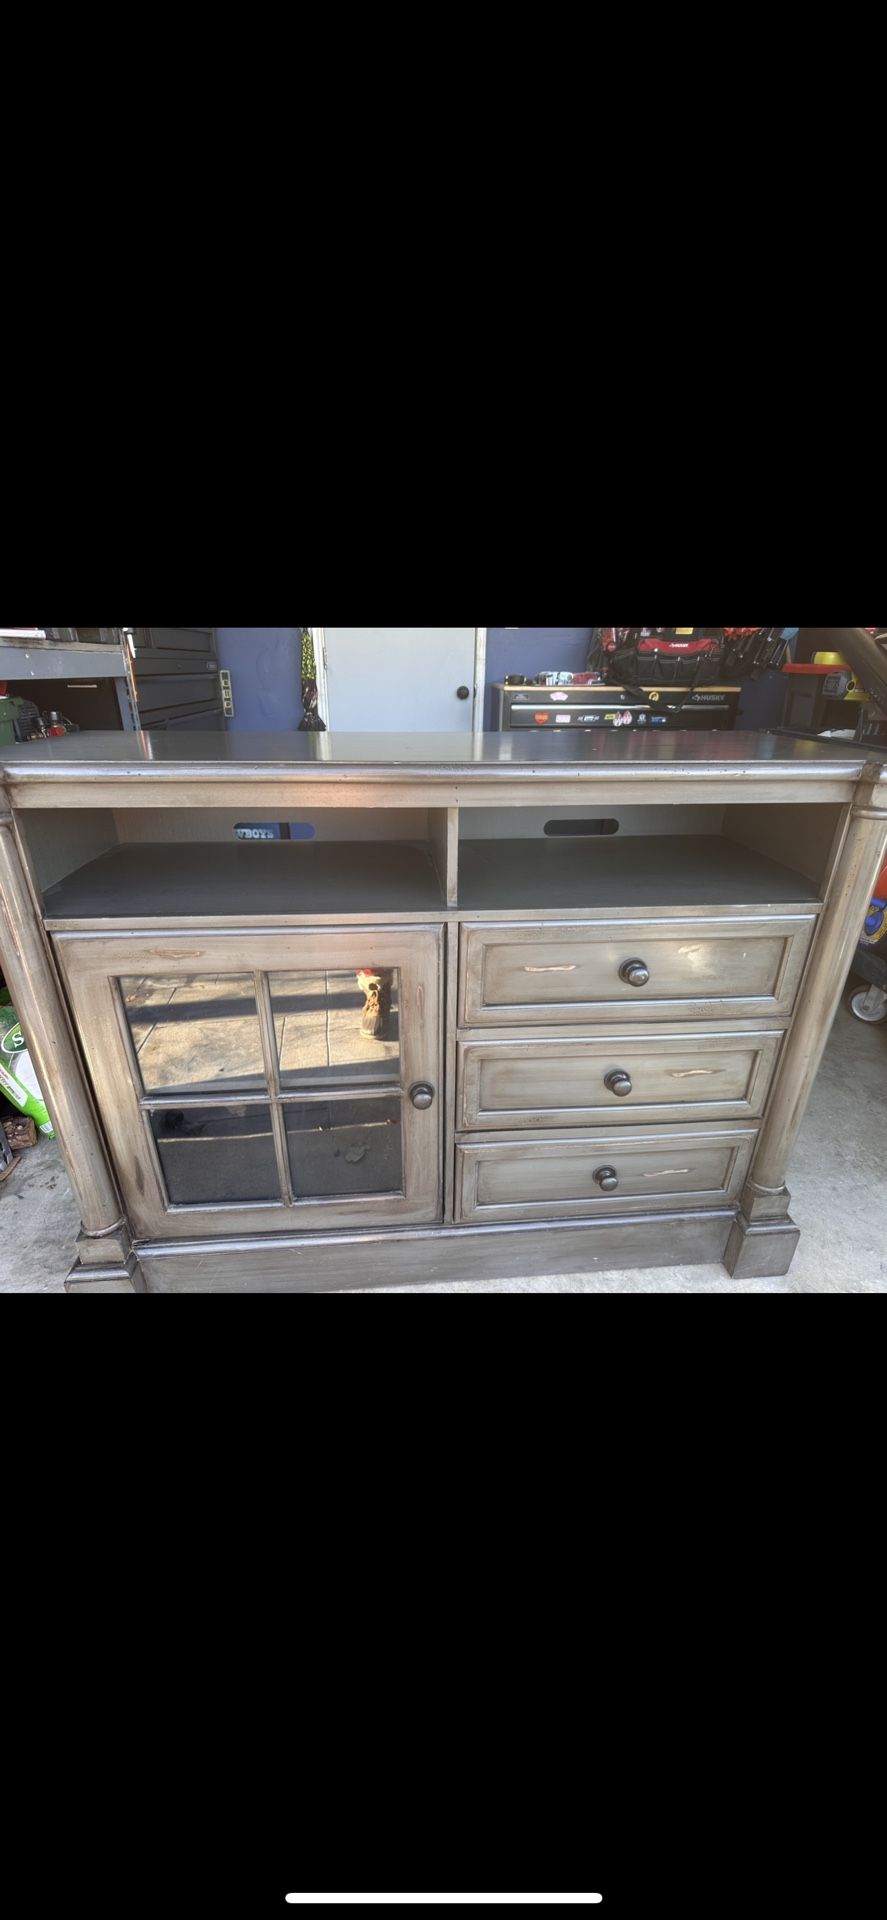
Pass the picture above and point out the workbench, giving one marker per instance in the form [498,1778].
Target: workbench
[485,1007]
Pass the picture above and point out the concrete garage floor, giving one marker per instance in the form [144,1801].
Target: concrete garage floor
[837,1181]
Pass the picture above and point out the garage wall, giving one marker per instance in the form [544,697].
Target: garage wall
[265,664]
[536,649]
[531,650]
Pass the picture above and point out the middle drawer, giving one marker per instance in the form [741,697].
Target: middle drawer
[656,1077]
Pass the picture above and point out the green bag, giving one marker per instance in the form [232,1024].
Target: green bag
[17,1077]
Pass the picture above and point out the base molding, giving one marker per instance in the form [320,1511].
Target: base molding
[125,1277]
[762,1251]
[102,1250]
[420,1256]
[759,1204]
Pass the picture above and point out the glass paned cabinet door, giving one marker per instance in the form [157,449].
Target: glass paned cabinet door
[337,1028]
[269,1080]
[194,1034]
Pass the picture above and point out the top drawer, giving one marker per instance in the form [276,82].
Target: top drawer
[516,974]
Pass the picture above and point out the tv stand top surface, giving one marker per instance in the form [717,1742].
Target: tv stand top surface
[433,769]
[420,752]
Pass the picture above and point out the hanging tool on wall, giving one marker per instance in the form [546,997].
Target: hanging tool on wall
[311,721]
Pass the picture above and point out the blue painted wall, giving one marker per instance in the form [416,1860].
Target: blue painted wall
[531,650]
[265,664]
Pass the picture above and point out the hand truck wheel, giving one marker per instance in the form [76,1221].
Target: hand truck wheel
[868,1003]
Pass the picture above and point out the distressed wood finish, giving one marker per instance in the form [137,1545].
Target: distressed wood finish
[765,1197]
[762,1251]
[443,834]
[450,1070]
[848,901]
[553,1174]
[430,859]
[314,1265]
[674,1077]
[279,795]
[94,964]
[124,1277]
[278,772]
[38,1002]
[700,968]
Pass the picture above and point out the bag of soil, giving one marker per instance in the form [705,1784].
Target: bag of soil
[17,1077]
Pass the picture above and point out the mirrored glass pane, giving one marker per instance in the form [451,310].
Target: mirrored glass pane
[213,1154]
[337,1028]
[195,1033]
[344,1147]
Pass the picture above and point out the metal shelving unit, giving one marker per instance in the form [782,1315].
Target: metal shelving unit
[56,659]
[137,678]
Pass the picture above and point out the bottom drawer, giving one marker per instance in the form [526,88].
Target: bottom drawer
[550,1176]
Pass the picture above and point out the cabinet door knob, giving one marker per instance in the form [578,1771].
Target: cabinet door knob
[618,1081]
[635,973]
[607,1178]
[462,693]
[421,1095]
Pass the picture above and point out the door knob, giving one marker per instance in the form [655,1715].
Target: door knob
[618,1082]
[607,1178]
[421,1095]
[635,973]
[462,693]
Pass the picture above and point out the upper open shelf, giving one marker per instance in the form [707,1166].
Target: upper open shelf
[321,878]
[208,879]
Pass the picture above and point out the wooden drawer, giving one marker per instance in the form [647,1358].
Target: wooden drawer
[671,1077]
[704,968]
[547,1176]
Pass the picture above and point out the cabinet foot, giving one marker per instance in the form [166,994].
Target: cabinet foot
[125,1278]
[760,1252]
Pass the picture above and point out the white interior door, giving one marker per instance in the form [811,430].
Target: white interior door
[402,679]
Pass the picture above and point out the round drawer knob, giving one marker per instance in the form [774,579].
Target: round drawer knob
[606,1178]
[635,973]
[618,1082]
[421,1095]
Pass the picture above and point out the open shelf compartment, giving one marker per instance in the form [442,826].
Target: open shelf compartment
[99,864]
[577,859]
[105,864]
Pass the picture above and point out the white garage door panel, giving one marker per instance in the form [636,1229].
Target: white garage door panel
[397,679]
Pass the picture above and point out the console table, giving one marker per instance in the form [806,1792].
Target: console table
[314,1011]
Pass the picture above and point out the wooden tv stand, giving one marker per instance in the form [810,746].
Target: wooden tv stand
[486,1008]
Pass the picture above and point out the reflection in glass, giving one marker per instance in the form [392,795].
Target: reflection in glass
[195,1033]
[344,1147]
[337,1028]
[213,1154]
